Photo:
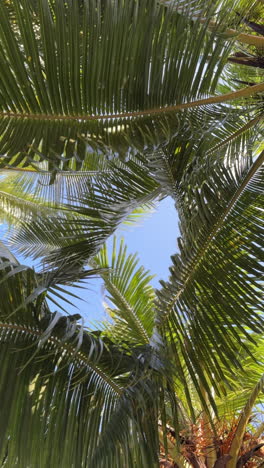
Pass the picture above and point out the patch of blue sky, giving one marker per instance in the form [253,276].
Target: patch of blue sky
[154,240]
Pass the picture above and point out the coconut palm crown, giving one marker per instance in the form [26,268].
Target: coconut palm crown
[106,108]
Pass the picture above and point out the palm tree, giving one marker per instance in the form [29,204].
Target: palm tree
[107,107]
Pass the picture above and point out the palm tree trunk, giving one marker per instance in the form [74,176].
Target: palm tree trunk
[173,452]
[207,430]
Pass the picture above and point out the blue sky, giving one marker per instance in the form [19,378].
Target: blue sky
[154,238]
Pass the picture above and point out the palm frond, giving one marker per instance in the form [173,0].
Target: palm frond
[222,135]
[243,381]
[83,74]
[243,421]
[94,216]
[238,13]
[214,285]
[16,207]
[53,188]
[131,296]
[60,383]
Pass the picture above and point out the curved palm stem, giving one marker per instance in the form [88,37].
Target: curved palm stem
[240,430]
[241,93]
[228,33]
[244,38]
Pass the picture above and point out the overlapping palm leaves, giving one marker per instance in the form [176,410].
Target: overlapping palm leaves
[58,377]
[64,90]
[217,274]
[108,88]
[105,199]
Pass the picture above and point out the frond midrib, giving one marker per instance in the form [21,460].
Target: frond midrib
[236,134]
[70,350]
[60,173]
[26,202]
[215,228]
[139,325]
[242,93]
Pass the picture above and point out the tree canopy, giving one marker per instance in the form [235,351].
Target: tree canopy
[106,107]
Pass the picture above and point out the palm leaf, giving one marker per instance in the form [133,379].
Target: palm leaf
[243,381]
[130,294]
[105,202]
[65,384]
[225,136]
[243,421]
[53,188]
[214,285]
[76,73]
